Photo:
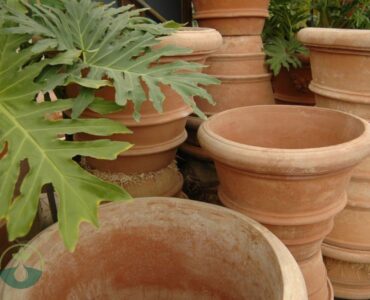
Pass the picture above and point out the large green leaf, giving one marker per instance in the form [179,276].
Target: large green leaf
[116,43]
[29,135]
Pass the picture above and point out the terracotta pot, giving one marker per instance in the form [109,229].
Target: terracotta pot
[239,91]
[241,55]
[340,64]
[166,182]
[232,17]
[288,167]
[292,87]
[157,136]
[146,249]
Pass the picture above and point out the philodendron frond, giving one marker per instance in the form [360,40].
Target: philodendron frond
[116,44]
[26,134]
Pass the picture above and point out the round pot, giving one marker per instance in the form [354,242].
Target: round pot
[238,91]
[157,135]
[239,55]
[232,17]
[146,249]
[340,63]
[292,86]
[288,167]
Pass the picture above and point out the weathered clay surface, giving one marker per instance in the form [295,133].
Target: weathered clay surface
[288,167]
[341,64]
[232,17]
[166,249]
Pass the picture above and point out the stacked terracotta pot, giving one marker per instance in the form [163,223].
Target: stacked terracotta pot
[341,80]
[239,64]
[149,167]
[288,167]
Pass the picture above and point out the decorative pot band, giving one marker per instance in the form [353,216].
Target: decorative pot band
[309,158]
[342,95]
[201,41]
[231,13]
[344,254]
[239,56]
[147,119]
[244,79]
[336,39]
[156,148]
[289,219]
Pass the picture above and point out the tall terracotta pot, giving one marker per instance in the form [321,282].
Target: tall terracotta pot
[340,64]
[232,17]
[145,249]
[292,86]
[240,65]
[288,167]
[157,136]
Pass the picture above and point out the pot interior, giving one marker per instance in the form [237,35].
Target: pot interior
[155,249]
[286,127]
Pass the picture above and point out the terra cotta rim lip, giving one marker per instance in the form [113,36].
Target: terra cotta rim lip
[365,135]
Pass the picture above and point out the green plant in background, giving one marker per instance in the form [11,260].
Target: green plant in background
[341,14]
[282,48]
[116,46]
[287,17]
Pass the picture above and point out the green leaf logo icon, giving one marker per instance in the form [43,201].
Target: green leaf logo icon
[20,275]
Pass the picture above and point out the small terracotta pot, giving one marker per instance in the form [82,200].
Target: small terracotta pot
[145,249]
[239,91]
[288,167]
[340,64]
[157,136]
[232,17]
[292,87]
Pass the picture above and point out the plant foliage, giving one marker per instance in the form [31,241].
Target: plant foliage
[287,17]
[116,44]
[26,134]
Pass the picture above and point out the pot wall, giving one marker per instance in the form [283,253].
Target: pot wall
[340,64]
[289,175]
[161,257]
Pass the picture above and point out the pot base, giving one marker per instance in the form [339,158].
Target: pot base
[166,182]
[349,271]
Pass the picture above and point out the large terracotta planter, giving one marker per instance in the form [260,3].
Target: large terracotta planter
[165,249]
[232,17]
[288,167]
[292,86]
[340,65]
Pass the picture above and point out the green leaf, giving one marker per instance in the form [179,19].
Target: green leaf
[119,48]
[30,136]
[103,107]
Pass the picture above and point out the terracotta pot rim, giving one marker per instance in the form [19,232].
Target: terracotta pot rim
[194,122]
[346,39]
[155,118]
[338,94]
[231,13]
[242,79]
[311,217]
[201,40]
[156,148]
[304,162]
[349,255]
[195,151]
[246,56]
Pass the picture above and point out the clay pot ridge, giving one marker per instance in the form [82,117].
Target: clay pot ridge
[194,39]
[155,254]
[305,149]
